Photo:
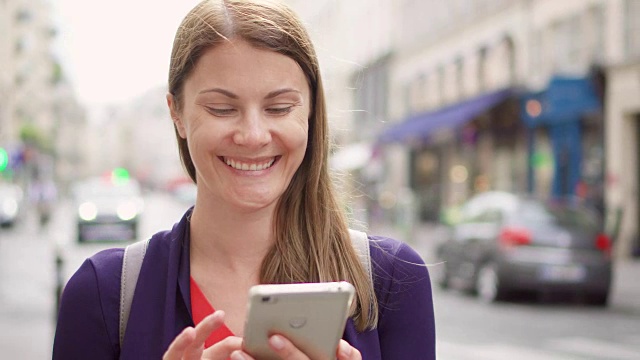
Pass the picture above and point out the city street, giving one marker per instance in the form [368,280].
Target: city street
[28,272]
[524,329]
[466,328]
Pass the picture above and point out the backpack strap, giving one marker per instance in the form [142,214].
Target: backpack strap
[134,255]
[360,242]
[131,265]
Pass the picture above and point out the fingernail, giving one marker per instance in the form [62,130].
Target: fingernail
[237,355]
[276,342]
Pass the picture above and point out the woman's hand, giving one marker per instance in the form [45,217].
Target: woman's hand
[348,352]
[288,351]
[189,344]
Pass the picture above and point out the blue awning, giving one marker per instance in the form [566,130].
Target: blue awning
[566,99]
[422,125]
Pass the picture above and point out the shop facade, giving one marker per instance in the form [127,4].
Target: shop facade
[622,138]
[468,147]
[565,137]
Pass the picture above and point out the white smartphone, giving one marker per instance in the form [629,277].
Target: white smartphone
[311,315]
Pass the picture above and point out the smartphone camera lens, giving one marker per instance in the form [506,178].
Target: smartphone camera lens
[266,299]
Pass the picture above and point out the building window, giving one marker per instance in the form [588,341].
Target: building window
[632,28]
[441,83]
[597,26]
[407,98]
[567,45]
[459,77]
[482,69]
[422,91]
[23,16]
[511,58]
[371,98]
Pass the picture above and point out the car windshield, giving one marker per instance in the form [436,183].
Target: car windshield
[533,212]
[102,189]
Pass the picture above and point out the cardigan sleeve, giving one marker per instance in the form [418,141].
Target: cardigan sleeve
[406,326]
[88,315]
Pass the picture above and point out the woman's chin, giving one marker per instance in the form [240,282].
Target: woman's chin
[253,203]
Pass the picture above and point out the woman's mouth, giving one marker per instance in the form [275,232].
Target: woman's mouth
[244,165]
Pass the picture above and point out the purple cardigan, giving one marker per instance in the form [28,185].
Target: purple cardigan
[87,325]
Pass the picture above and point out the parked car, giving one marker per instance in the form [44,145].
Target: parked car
[108,210]
[504,242]
[11,204]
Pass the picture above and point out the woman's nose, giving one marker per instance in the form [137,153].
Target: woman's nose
[253,131]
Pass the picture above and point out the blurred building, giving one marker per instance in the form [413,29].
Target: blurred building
[138,136]
[457,97]
[622,113]
[40,119]
[354,40]
[28,66]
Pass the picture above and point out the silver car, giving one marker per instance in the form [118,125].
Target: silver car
[108,210]
[11,203]
[505,243]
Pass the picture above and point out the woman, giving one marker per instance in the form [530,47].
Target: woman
[247,102]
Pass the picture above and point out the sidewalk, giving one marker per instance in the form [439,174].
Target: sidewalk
[423,238]
[625,289]
[625,293]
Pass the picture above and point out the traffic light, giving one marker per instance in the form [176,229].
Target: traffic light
[119,176]
[4,159]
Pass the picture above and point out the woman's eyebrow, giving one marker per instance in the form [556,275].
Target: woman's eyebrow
[221,91]
[275,93]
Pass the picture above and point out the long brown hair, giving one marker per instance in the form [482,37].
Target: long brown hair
[312,239]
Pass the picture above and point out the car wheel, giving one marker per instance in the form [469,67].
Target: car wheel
[134,231]
[80,237]
[597,299]
[488,286]
[442,276]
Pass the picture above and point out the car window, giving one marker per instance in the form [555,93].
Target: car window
[491,214]
[488,207]
[105,189]
[574,217]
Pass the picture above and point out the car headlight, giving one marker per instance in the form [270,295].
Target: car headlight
[87,211]
[10,207]
[127,210]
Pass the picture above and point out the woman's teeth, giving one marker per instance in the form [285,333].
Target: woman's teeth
[238,165]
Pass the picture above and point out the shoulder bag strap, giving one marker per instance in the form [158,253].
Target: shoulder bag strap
[361,244]
[134,255]
[131,264]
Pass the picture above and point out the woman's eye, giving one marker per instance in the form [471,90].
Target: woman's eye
[221,111]
[280,110]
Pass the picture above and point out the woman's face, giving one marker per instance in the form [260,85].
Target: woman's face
[245,116]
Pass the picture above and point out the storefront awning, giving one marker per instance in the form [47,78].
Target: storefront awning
[566,99]
[422,125]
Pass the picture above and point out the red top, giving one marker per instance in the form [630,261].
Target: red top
[201,308]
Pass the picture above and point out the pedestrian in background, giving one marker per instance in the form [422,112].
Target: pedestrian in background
[43,194]
[247,102]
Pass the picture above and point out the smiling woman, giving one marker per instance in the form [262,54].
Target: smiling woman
[233,125]
[247,103]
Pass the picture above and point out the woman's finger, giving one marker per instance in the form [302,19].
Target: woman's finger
[190,342]
[202,332]
[180,344]
[223,349]
[285,348]
[208,325]
[348,352]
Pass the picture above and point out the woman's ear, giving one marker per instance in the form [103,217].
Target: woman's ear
[175,116]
